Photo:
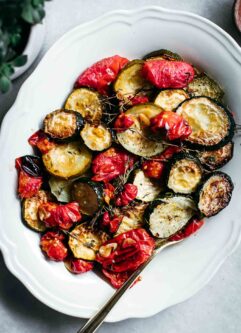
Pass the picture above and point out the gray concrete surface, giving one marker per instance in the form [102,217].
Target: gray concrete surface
[215,309]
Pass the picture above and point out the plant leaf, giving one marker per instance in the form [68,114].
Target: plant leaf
[5,83]
[27,14]
[7,70]
[19,61]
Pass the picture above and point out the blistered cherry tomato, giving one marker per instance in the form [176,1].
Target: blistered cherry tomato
[116,279]
[112,223]
[168,74]
[153,169]
[56,215]
[100,75]
[52,244]
[127,251]
[40,140]
[123,122]
[127,195]
[168,153]
[188,230]
[171,126]
[78,266]
[110,164]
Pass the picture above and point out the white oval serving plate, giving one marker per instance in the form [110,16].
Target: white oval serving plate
[177,273]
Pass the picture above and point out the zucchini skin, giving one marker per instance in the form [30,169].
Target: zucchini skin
[222,142]
[162,54]
[226,199]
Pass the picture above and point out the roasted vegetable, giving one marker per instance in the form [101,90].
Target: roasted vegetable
[136,138]
[78,266]
[60,188]
[84,241]
[127,195]
[147,189]
[63,124]
[169,99]
[189,229]
[215,159]
[185,174]
[130,82]
[169,214]
[96,137]
[87,102]
[67,160]
[203,85]
[53,245]
[215,193]
[162,54]
[30,208]
[88,194]
[211,123]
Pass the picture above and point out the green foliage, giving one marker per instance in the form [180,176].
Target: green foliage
[16,18]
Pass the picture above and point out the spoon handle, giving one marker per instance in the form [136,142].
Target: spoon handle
[93,323]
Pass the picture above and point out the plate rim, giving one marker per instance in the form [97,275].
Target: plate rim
[10,257]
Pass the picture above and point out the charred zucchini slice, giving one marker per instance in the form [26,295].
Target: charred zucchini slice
[67,160]
[136,139]
[133,218]
[185,174]
[130,81]
[148,190]
[169,99]
[63,124]
[215,193]
[215,159]
[162,54]
[212,124]
[88,194]
[84,241]
[169,214]
[87,102]
[96,137]
[203,85]
[30,211]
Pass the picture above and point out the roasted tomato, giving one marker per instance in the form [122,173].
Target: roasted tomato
[110,164]
[188,230]
[29,175]
[109,192]
[126,252]
[127,195]
[101,74]
[123,122]
[171,126]
[40,140]
[111,223]
[78,266]
[63,216]
[168,153]
[52,244]
[117,279]
[168,74]
[153,169]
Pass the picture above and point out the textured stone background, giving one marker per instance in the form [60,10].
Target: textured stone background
[214,309]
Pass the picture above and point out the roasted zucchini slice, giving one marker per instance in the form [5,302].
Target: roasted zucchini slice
[137,139]
[63,124]
[130,81]
[30,211]
[169,99]
[88,194]
[87,102]
[96,137]
[162,54]
[185,174]
[133,217]
[215,193]
[215,159]
[203,85]
[67,160]
[169,214]
[84,241]
[148,190]
[212,124]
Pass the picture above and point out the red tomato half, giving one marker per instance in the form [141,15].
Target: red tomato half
[78,266]
[52,244]
[168,74]
[100,75]
[40,140]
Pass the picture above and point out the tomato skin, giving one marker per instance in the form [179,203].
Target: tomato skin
[139,99]
[40,140]
[112,223]
[101,74]
[52,244]
[62,216]
[128,194]
[168,74]
[116,279]
[171,126]
[168,153]
[128,251]
[153,169]
[78,266]
[110,164]
[123,122]
[194,225]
